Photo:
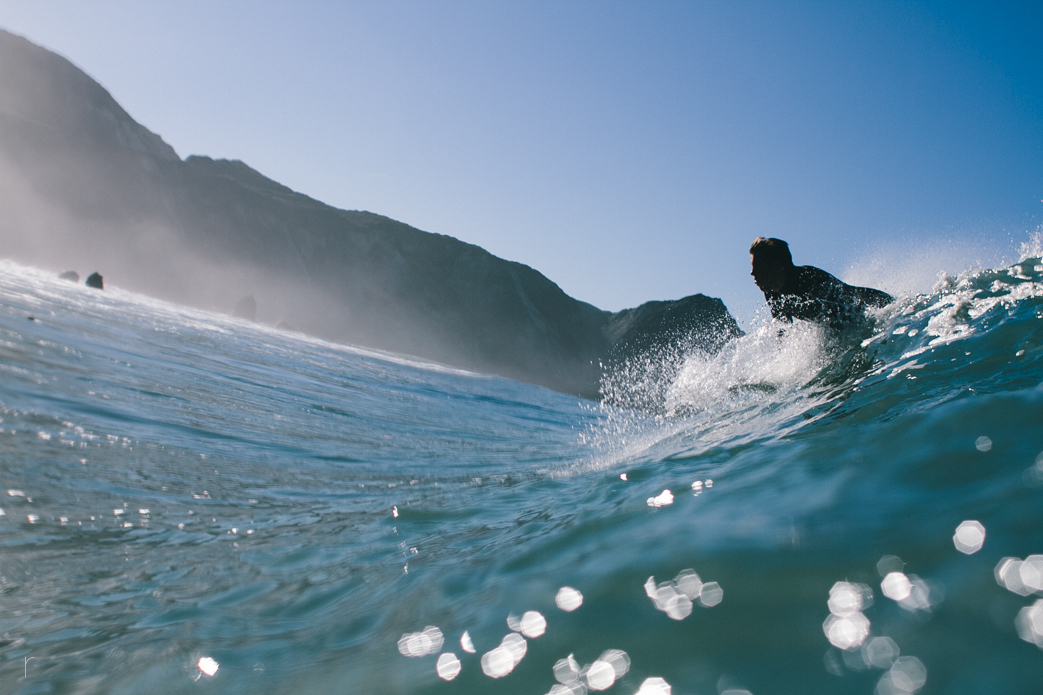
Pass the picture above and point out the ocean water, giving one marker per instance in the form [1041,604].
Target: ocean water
[197,504]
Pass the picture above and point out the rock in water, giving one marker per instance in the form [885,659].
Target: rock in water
[70,275]
[95,280]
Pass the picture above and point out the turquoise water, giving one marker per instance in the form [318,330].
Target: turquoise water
[183,492]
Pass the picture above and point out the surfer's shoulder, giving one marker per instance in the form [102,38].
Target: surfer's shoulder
[874,297]
[808,280]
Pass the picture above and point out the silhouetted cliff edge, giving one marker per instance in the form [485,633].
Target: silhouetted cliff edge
[82,185]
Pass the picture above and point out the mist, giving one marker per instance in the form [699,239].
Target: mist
[87,188]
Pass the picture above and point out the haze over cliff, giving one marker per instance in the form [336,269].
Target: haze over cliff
[85,187]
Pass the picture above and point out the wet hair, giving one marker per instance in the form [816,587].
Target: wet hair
[773,251]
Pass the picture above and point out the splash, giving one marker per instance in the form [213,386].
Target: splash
[1033,247]
[682,398]
[768,363]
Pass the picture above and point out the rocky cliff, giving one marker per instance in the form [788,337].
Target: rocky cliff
[84,186]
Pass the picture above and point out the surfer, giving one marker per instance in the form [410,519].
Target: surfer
[806,292]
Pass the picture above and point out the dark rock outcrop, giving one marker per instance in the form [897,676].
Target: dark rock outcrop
[696,322]
[81,180]
[70,275]
[96,281]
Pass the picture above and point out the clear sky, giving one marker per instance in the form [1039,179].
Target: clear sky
[630,151]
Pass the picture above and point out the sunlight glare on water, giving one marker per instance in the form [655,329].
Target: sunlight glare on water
[969,537]
[500,661]
[600,675]
[417,644]
[676,597]
[1029,623]
[568,599]
[906,676]
[533,624]
[448,666]
[566,670]
[654,686]
[1022,577]
[881,652]
[896,586]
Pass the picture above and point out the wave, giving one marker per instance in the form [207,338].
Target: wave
[292,509]
[978,330]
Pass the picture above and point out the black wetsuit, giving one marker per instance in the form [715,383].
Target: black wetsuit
[812,294]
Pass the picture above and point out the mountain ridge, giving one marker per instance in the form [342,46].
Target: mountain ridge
[86,185]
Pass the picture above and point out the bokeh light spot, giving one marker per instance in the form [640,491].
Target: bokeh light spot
[618,659]
[1029,623]
[711,595]
[845,599]
[881,652]
[888,564]
[497,663]
[689,583]
[654,686]
[208,666]
[566,670]
[969,537]
[1008,575]
[907,675]
[448,666]
[896,586]
[1031,573]
[921,597]
[415,644]
[568,599]
[983,444]
[516,645]
[675,598]
[678,606]
[533,624]
[668,599]
[600,675]
[911,592]
[846,632]
[466,644]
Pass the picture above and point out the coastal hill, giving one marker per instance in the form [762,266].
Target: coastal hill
[85,187]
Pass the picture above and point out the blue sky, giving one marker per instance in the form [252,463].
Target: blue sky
[630,151]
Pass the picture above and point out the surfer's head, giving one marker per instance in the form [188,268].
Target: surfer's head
[771,261]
